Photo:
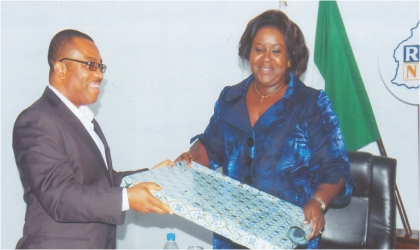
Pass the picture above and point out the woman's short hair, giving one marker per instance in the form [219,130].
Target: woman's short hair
[297,51]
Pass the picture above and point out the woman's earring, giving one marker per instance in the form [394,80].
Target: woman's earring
[289,64]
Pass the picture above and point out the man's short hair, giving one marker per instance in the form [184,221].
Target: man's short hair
[60,41]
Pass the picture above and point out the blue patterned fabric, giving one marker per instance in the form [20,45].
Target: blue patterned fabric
[295,146]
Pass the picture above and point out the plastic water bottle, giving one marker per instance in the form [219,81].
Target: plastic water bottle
[170,243]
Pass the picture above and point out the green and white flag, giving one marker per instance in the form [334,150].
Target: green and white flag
[343,83]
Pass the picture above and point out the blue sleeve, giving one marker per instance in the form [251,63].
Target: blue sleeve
[328,152]
[212,138]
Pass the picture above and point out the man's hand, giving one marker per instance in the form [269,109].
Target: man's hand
[164,163]
[141,200]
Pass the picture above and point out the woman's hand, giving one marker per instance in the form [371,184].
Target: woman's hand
[186,157]
[164,163]
[312,211]
[197,153]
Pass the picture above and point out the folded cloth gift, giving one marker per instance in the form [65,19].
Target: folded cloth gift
[223,205]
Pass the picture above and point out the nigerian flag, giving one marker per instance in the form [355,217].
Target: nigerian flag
[343,83]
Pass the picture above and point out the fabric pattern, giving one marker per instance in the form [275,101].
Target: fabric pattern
[294,147]
[239,212]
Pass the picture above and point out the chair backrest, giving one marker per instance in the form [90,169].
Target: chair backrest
[368,221]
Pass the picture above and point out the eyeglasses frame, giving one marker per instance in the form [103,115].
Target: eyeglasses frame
[101,66]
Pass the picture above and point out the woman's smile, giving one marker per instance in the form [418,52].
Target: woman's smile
[268,57]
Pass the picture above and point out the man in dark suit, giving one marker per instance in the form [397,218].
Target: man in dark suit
[71,190]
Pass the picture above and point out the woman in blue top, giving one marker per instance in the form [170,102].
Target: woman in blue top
[273,132]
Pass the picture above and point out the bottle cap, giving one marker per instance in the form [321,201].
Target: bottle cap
[170,236]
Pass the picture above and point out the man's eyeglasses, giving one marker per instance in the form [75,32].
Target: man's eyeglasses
[92,65]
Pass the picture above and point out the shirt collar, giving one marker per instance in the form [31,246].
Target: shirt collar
[83,112]
[239,90]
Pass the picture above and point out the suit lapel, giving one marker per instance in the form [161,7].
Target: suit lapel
[237,112]
[101,135]
[74,125]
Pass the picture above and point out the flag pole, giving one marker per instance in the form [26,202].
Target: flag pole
[400,205]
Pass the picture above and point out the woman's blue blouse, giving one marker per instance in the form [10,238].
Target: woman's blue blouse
[294,147]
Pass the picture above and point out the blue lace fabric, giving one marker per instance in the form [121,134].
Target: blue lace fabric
[294,147]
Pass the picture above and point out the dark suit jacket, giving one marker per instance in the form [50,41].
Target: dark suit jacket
[73,201]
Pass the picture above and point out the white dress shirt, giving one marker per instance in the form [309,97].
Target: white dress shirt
[85,116]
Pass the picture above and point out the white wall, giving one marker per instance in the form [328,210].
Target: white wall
[167,63]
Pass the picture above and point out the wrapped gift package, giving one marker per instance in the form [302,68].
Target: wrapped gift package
[225,206]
